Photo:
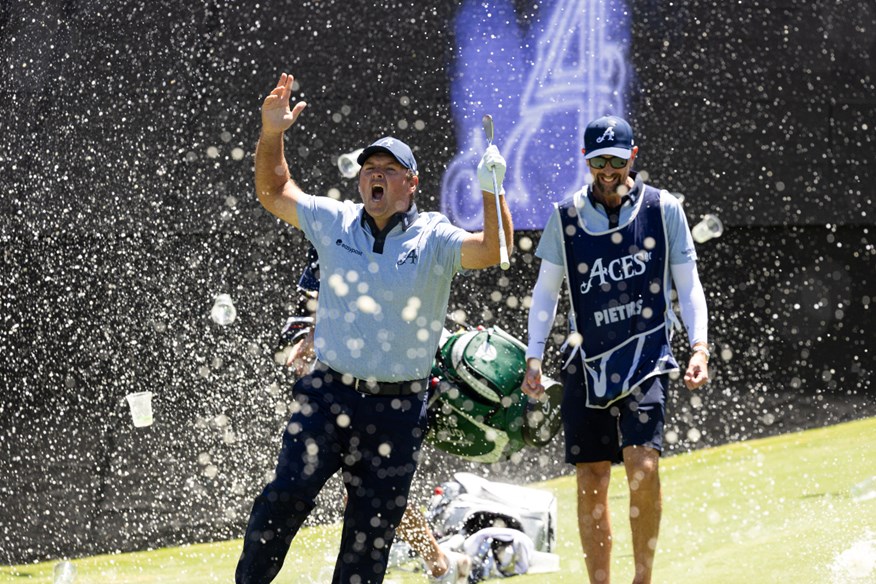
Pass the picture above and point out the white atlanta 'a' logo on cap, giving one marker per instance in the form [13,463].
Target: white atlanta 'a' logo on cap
[608,134]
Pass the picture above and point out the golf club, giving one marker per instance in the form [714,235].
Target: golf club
[503,246]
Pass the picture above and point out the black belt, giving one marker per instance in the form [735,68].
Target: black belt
[371,387]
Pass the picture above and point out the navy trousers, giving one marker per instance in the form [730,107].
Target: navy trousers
[374,440]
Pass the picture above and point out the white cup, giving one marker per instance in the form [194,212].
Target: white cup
[223,311]
[141,408]
[65,572]
[706,229]
[347,163]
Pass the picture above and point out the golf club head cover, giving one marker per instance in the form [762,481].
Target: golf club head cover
[491,161]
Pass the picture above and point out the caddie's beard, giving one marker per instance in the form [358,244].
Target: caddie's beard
[603,190]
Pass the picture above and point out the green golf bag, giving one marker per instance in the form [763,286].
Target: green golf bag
[477,410]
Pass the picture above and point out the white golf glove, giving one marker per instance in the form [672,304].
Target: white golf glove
[491,160]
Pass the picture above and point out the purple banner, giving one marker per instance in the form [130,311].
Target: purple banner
[541,85]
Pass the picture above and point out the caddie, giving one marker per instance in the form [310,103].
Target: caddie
[621,245]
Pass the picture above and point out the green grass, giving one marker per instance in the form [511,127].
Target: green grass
[765,511]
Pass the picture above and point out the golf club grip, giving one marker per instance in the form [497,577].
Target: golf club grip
[504,261]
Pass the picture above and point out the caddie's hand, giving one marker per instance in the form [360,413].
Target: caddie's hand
[697,374]
[531,385]
[491,160]
[276,115]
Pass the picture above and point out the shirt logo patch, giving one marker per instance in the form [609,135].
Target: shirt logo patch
[346,247]
[411,256]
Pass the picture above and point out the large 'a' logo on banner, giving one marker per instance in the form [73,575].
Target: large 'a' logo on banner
[542,86]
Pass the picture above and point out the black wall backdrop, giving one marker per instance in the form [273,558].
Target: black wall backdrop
[126,143]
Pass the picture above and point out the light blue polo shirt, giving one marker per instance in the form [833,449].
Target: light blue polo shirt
[380,315]
[681,244]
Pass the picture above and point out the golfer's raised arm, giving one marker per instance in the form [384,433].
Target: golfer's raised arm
[276,190]
[481,250]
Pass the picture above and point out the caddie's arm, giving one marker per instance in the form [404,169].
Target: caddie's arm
[542,312]
[695,315]
[275,189]
[481,250]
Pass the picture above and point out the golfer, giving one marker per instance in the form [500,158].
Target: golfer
[386,271]
[443,565]
[621,245]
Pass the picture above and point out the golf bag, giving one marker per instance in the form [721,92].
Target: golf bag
[477,410]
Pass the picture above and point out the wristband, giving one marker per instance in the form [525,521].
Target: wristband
[703,349]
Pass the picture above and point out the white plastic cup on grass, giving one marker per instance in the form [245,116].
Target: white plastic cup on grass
[65,572]
[141,408]
[865,490]
[707,229]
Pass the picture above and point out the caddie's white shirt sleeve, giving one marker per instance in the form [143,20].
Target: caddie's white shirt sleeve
[543,311]
[691,301]
[550,246]
[681,244]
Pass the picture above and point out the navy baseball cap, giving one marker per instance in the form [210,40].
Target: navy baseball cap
[609,135]
[399,150]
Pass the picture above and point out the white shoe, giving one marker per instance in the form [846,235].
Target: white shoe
[459,567]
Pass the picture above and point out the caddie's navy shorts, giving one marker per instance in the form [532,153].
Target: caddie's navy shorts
[594,435]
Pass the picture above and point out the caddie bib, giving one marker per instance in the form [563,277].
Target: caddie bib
[618,283]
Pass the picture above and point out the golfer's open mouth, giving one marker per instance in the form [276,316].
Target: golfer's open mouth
[376,193]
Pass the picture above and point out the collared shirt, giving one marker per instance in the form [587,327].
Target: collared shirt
[596,220]
[383,294]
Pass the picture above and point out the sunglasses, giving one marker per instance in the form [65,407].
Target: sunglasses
[598,162]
